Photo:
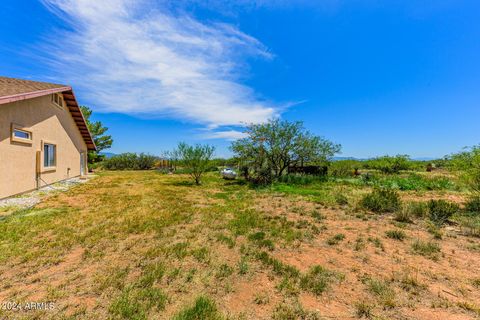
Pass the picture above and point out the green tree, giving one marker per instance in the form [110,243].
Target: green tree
[468,163]
[270,148]
[195,159]
[97,130]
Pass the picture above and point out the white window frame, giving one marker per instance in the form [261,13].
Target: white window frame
[16,127]
[57,100]
[55,156]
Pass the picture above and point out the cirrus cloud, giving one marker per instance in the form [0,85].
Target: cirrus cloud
[142,59]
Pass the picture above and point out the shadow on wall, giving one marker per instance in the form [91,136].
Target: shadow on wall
[26,114]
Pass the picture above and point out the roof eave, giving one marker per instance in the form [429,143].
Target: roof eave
[30,95]
[79,119]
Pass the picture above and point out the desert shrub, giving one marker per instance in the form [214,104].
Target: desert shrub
[396,234]
[343,168]
[317,280]
[470,224]
[476,282]
[428,249]
[434,229]
[439,211]
[364,309]
[390,165]
[411,210]
[290,311]
[473,205]
[383,291]
[403,215]
[417,209]
[381,201]
[130,161]
[369,179]
[341,199]
[335,239]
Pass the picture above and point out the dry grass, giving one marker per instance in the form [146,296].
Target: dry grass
[141,245]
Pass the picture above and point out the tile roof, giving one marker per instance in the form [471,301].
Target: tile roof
[12,86]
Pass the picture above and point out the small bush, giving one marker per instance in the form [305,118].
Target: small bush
[130,161]
[259,239]
[435,230]
[440,211]
[417,209]
[291,311]
[341,199]
[381,201]
[224,271]
[317,280]
[470,224]
[335,239]
[396,234]
[317,215]
[383,291]
[428,249]
[364,309]
[243,266]
[403,215]
[473,205]
[476,283]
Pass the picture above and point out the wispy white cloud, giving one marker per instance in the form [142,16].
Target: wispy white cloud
[226,134]
[132,57]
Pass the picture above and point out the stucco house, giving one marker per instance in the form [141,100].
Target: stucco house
[43,135]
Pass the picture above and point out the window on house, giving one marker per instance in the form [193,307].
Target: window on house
[57,99]
[20,135]
[49,155]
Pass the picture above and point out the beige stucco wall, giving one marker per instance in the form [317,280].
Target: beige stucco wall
[47,122]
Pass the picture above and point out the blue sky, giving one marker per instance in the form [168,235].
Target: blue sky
[379,77]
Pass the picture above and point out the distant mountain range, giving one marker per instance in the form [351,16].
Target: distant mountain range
[107,155]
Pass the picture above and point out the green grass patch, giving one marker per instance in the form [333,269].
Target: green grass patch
[336,239]
[428,249]
[203,308]
[396,234]
[318,279]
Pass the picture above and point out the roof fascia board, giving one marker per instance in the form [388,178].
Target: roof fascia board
[30,95]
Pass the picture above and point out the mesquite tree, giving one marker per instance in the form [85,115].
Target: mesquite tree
[195,159]
[271,148]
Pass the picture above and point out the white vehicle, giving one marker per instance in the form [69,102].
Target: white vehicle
[228,174]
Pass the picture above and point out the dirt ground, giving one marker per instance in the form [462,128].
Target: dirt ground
[146,246]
